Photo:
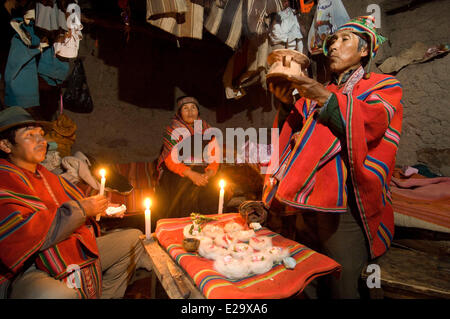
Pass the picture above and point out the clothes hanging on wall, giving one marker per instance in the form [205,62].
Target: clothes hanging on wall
[246,67]
[182,18]
[226,19]
[22,69]
[285,32]
[231,19]
[49,16]
[21,77]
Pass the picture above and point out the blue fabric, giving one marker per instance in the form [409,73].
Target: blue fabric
[21,78]
[51,69]
[35,40]
[21,72]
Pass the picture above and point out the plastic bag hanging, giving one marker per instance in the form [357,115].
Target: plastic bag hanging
[77,97]
[330,14]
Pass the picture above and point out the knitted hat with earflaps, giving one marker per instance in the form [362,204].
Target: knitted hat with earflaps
[364,25]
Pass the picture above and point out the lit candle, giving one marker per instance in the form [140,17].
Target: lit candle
[103,181]
[148,221]
[222,192]
[102,189]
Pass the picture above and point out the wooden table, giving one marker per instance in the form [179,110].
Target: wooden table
[161,259]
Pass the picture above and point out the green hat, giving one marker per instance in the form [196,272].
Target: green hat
[364,25]
[17,116]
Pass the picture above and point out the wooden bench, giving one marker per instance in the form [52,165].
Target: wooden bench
[411,274]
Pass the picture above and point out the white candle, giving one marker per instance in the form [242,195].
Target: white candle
[102,189]
[148,220]
[222,192]
[103,181]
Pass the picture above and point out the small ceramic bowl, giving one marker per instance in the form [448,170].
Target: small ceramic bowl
[286,64]
[191,244]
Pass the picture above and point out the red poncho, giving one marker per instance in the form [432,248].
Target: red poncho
[27,210]
[312,173]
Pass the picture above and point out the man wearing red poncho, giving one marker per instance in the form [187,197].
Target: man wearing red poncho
[337,149]
[50,246]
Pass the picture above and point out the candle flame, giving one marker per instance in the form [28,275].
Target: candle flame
[222,183]
[102,173]
[148,203]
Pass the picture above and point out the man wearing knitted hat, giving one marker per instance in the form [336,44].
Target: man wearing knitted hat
[337,151]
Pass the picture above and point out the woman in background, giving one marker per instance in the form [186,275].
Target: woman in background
[189,185]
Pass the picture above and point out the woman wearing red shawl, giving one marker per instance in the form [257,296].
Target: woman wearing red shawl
[187,182]
[337,151]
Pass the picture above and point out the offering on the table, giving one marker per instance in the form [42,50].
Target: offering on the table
[205,240]
[211,250]
[261,242]
[212,231]
[226,240]
[244,235]
[232,268]
[289,262]
[201,219]
[278,253]
[233,227]
[191,244]
[255,226]
[240,250]
[191,230]
[260,262]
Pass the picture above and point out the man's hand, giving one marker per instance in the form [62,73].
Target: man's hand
[209,173]
[196,178]
[94,205]
[311,89]
[282,90]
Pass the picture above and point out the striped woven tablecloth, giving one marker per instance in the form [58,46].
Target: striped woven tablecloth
[279,282]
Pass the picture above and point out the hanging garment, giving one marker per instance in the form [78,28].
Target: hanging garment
[21,77]
[49,17]
[257,12]
[286,32]
[231,19]
[182,18]
[67,46]
[51,69]
[21,72]
[246,67]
